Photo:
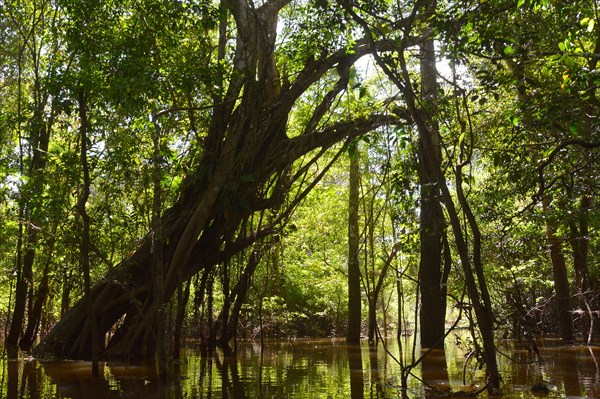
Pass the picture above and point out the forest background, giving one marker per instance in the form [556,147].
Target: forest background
[272,169]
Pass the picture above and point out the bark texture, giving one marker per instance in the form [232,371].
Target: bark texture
[432,318]
[354,289]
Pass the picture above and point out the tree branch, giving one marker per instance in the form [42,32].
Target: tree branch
[330,135]
[564,144]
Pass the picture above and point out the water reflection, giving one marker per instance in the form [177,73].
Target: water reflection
[434,368]
[310,369]
[434,371]
[357,384]
[378,388]
[570,365]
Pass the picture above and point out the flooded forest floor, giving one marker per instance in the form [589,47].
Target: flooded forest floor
[324,368]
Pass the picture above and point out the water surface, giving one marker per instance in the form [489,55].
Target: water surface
[323,369]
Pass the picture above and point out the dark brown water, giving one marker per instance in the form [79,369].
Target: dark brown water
[315,369]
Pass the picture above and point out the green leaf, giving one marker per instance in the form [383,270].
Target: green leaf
[573,128]
[352,149]
[554,57]
[509,50]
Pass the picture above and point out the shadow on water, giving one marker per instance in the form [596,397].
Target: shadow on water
[311,369]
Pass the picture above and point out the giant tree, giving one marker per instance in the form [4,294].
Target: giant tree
[246,162]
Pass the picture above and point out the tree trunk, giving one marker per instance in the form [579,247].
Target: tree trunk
[376,293]
[354,289]
[81,206]
[559,273]
[40,137]
[162,364]
[476,288]
[423,112]
[35,316]
[240,290]
[580,246]
[433,299]
[245,168]
[183,295]
[65,295]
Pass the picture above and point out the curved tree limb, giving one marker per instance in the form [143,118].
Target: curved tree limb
[562,145]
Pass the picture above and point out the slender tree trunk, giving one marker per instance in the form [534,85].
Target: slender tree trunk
[65,295]
[11,337]
[240,290]
[433,299]
[580,245]
[159,289]
[183,295]
[210,339]
[224,317]
[372,320]
[478,291]
[559,273]
[35,315]
[33,214]
[376,293]
[476,285]
[354,289]
[369,268]
[84,244]
[400,294]
[18,315]
[18,312]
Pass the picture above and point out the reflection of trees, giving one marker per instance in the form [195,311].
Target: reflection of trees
[568,363]
[298,370]
[74,380]
[231,384]
[520,366]
[141,381]
[356,372]
[29,384]
[594,392]
[12,388]
[377,386]
[435,369]
[279,370]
